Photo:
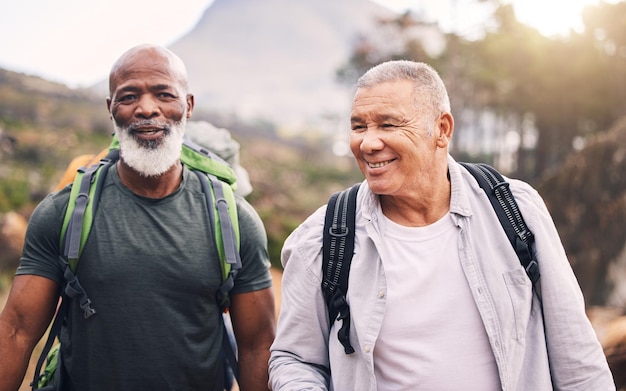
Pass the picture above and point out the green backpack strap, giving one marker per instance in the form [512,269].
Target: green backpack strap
[219,193]
[223,217]
[74,232]
[50,355]
[195,157]
[77,225]
[81,207]
[218,182]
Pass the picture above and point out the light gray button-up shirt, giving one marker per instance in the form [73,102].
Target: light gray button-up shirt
[558,351]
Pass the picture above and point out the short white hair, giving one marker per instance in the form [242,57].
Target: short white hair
[429,88]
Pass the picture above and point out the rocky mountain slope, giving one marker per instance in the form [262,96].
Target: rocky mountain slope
[275,59]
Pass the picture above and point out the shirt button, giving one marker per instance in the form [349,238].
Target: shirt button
[367,348]
[381,294]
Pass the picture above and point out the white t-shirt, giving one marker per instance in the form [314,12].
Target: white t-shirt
[432,336]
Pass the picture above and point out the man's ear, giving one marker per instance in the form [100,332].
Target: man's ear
[190,104]
[445,129]
[108,103]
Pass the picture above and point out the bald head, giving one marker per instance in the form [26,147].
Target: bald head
[145,56]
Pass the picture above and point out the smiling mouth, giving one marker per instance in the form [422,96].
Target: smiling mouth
[149,137]
[147,127]
[147,131]
[379,164]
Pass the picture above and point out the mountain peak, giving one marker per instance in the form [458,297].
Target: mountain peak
[275,59]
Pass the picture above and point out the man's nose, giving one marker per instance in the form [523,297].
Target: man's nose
[147,107]
[371,140]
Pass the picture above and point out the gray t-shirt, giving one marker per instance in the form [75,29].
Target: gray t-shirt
[151,270]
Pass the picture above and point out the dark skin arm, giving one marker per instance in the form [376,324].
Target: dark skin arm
[254,322]
[29,309]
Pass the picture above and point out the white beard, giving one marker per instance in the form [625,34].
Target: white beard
[151,158]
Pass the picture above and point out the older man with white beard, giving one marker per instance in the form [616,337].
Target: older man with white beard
[149,263]
[151,157]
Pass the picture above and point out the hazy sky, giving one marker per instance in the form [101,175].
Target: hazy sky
[76,41]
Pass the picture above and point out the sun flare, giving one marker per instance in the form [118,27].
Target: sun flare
[549,17]
[554,17]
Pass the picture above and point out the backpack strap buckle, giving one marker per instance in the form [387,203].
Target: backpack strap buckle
[337,252]
[73,289]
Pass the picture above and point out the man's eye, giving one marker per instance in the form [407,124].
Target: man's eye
[357,128]
[126,98]
[166,95]
[387,126]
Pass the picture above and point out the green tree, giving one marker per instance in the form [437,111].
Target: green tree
[549,92]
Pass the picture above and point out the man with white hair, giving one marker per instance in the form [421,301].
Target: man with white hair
[437,296]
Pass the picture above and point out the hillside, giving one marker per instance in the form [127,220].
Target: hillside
[275,59]
[42,125]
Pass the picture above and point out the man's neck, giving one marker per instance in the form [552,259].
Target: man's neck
[158,186]
[423,206]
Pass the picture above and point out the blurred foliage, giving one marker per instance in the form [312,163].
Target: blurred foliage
[587,198]
[43,125]
[14,190]
[290,182]
[569,88]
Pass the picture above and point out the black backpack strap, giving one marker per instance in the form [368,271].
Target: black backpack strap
[501,198]
[55,329]
[232,257]
[229,349]
[337,252]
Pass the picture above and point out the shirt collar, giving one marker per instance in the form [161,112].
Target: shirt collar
[459,199]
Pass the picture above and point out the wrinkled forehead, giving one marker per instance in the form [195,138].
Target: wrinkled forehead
[148,63]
